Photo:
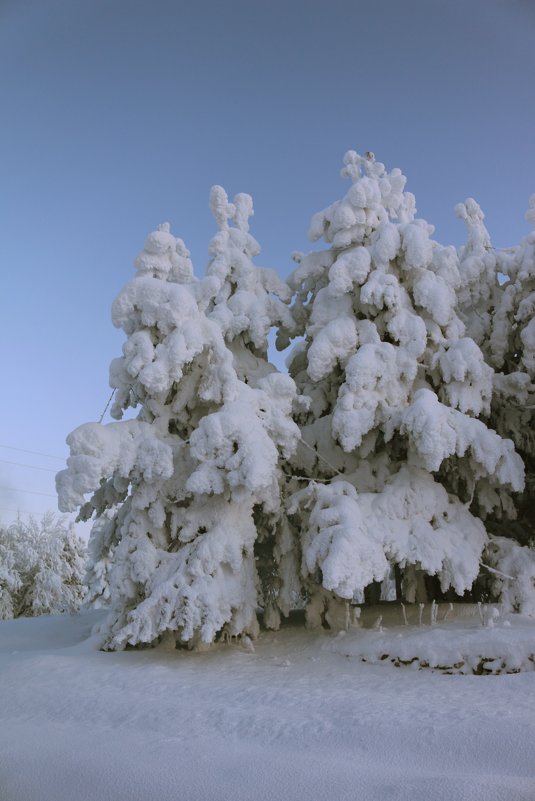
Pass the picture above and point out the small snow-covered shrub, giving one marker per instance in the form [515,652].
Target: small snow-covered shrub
[41,568]
[514,582]
[466,639]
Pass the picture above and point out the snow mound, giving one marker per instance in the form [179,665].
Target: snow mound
[466,639]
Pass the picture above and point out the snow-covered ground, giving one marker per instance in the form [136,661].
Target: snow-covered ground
[301,718]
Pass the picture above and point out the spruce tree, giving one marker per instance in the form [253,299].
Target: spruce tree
[497,301]
[182,492]
[402,465]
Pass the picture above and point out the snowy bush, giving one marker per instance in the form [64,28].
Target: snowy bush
[41,568]
[373,462]
[512,580]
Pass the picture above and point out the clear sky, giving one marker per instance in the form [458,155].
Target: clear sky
[116,116]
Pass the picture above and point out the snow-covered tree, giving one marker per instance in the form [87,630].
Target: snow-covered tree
[41,568]
[184,492]
[497,301]
[403,465]
[10,578]
[235,486]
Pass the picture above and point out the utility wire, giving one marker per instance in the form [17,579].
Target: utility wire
[106,406]
[31,466]
[318,454]
[35,453]
[31,492]
[21,511]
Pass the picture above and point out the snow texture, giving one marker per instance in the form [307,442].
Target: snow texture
[301,717]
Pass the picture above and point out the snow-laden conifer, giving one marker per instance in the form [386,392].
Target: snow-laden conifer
[398,389]
[497,301]
[236,487]
[184,492]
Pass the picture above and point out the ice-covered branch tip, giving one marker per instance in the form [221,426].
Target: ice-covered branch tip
[220,207]
[165,257]
[237,212]
[471,213]
[374,197]
[356,166]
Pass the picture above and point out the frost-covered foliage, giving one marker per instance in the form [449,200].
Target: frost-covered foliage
[184,492]
[374,466]
[41,568]
[497,301]
[514,582]
[396,429]
[355,537]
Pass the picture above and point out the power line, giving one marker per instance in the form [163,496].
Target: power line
[318,454]
[107,406]
[31,492]
[31,466]
[21,511]
[35,453]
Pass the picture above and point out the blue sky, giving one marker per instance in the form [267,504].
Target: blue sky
[118,115]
